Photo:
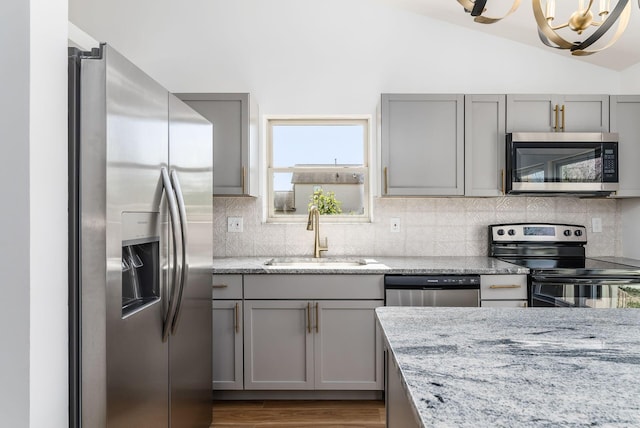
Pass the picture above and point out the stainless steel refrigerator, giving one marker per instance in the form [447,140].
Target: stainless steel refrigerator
[141,249]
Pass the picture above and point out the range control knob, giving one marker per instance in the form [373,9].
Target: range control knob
[500,232]
[578,232]
[511,232]
[567,232]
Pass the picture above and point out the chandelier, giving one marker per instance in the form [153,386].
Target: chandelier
[582,28]
[579,21]
[477,8]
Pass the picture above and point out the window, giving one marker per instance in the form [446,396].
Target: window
[322,162]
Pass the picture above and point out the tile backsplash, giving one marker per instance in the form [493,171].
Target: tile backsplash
[428,226]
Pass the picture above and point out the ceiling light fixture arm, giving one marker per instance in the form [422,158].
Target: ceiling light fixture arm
[477,8]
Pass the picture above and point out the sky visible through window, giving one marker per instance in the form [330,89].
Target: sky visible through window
[315,145]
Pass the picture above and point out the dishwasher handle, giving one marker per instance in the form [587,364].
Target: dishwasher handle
[432,287]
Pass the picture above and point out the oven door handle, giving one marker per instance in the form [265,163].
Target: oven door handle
[555,280]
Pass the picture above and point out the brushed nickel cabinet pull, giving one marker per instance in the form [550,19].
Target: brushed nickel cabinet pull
[309,318]
[317,319]
[555,125]
[506,286]
[237,321]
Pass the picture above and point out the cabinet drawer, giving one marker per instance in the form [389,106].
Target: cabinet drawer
[226,287]
[503,303]
[503,287]
[369,287]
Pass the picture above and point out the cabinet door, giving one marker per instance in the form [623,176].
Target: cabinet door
[229,114]
[484,143]
[530,113]
[347,347]
[584,113]
[227,344]
[548,113]
[422,144]
[625,120]
[278,344]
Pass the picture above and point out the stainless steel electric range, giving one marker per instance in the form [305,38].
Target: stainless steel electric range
[560,273]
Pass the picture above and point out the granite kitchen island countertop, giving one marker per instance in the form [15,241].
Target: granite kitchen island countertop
[539,367]
[383,265]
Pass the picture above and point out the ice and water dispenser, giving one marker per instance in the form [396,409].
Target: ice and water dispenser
[140,261]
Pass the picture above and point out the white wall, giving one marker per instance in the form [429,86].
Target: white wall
[33,278]
[48,213]
[14,239]
[330,56]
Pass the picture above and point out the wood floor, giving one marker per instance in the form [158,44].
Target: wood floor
[299,414]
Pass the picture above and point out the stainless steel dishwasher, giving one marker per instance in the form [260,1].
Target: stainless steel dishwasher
[432,290]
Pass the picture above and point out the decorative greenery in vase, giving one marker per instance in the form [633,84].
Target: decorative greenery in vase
[326,202]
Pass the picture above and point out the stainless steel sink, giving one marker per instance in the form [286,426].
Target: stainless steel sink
[318,263]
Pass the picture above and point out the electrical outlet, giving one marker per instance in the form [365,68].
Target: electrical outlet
[395,224]
[234,224]
[596,224]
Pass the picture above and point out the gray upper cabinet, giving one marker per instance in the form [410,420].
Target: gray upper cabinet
[625,120]
[549,113]
[422,142]
[484,125]
[235,140]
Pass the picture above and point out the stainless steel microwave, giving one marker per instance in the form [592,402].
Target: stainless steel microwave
[580,163]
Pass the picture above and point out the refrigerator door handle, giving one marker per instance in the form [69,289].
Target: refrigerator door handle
[173,286]
[182,211]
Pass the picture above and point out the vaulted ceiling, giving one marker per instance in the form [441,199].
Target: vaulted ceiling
[521,27]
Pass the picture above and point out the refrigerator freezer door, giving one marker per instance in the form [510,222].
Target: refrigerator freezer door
[124,144]
[191,164]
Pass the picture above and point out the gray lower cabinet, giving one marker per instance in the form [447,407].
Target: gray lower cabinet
[347,346]
[625,120]
[324,344]
[484,145]
[400,412]
[227,339]
[235,140]
[227,344]
[312,332]
[553,112]
[422,144]
[278,344]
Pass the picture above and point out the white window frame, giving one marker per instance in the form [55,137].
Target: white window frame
[300,217]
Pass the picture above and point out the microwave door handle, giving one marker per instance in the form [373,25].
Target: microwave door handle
[173,230]
[182,212]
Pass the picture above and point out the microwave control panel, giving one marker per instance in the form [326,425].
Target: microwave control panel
[609,162]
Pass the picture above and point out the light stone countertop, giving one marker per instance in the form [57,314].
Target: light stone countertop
[384,265]
[510,367]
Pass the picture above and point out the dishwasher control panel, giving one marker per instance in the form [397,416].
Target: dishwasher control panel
[418,281]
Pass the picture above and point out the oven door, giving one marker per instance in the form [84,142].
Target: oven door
[592,292]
